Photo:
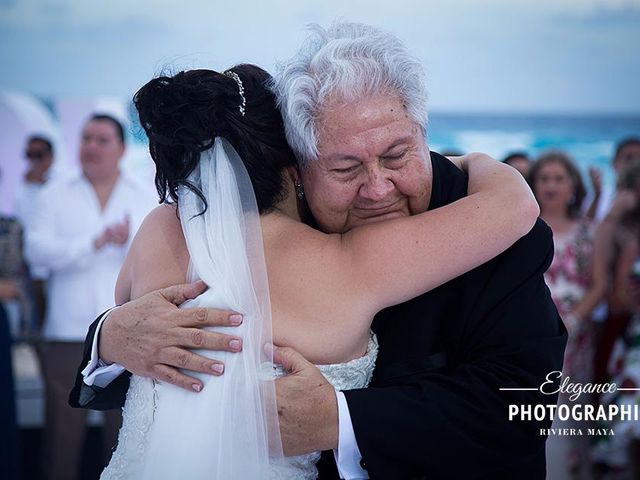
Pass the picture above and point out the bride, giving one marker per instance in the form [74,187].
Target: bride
[237,221]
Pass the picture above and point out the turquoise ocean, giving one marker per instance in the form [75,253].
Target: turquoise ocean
[589,140]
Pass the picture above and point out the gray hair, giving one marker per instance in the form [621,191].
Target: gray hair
[346,61]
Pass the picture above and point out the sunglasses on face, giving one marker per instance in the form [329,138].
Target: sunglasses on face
[35,155]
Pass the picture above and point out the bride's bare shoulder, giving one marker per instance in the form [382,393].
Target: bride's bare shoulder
[160,232]
[157,257]
[291,237]
[163,218]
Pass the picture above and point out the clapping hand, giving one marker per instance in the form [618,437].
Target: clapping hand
[116,234]
[119,232]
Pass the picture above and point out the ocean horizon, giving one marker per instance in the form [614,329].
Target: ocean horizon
[590,139]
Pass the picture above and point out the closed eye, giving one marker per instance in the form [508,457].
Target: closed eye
[346,170]
[395,157]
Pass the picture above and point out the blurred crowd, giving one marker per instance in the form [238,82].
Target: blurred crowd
[61,253]
[59,262]
[594,281]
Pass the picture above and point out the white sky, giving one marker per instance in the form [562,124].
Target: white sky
[490,55]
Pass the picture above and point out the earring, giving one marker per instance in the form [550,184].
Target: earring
[299,190]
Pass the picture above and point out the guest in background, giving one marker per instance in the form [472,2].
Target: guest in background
[626,151]
[619,230]
[9,453]
[39,155]
[12,284]
[520,161]
[619,352]
[625,216]
[559,189]
[80,233]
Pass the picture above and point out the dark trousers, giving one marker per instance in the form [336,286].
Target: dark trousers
[65,427]
[9,441]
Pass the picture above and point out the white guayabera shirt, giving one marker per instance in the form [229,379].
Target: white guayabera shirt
[67,220]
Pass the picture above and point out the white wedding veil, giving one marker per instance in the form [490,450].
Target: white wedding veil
[230,429]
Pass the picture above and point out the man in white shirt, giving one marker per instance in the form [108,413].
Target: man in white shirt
[79,233]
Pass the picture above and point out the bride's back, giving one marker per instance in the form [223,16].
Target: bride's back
[309,308]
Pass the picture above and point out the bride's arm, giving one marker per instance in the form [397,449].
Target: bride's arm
[352,276]
[157,257]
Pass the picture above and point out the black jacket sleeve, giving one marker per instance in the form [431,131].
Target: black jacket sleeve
[96,398]
[454,423]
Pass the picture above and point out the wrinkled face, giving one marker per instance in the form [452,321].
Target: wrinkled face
[626,155]
[39,157]
[373,164]
[553,187]
[100,150]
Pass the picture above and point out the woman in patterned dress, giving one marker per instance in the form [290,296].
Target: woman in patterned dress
[558,187]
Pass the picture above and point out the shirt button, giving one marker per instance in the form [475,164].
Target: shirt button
[363,464]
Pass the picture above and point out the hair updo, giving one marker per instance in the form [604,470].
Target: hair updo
[182,115]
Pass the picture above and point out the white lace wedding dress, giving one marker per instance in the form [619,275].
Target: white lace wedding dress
[138,414]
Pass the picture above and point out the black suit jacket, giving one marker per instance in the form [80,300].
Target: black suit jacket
[434,408]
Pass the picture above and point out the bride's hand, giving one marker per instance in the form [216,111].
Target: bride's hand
[152,337]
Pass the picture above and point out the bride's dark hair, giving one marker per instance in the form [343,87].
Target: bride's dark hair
[182,115]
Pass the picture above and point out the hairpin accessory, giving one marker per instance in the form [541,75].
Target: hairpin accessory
[236,77]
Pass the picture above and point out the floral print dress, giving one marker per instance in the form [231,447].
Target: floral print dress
[569,278]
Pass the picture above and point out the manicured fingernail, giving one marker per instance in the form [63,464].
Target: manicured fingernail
[217,367]
[234,344]
[235,319]
[196,387]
